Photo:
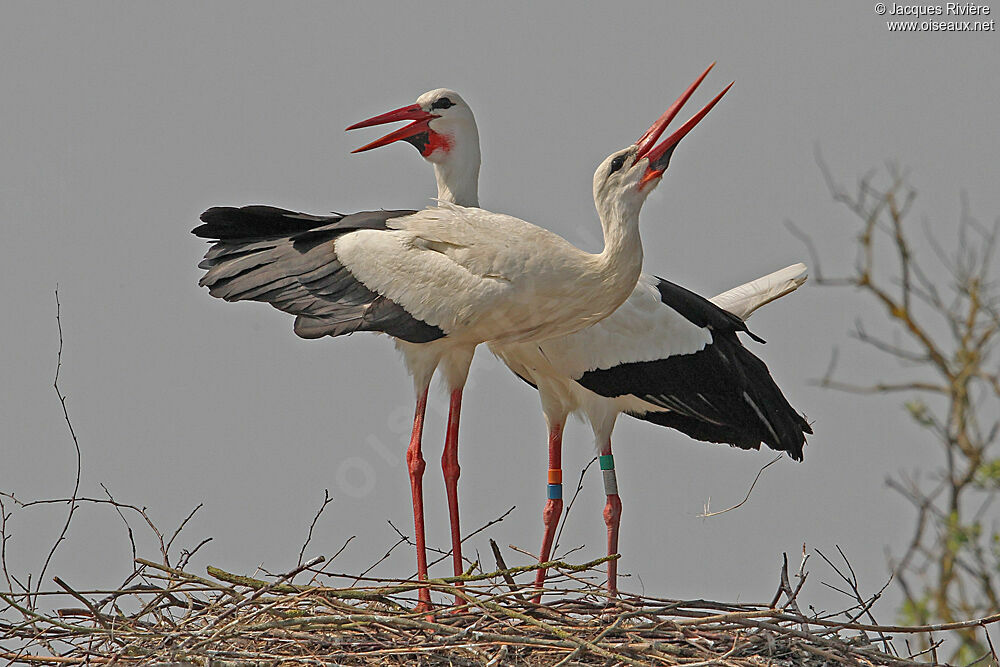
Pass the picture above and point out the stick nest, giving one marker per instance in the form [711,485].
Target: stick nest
[226,619]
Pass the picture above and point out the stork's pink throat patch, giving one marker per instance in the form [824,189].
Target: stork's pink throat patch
[436,141]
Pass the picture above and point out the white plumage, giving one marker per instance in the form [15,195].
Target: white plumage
[485,276]
[643,329]
[441,280]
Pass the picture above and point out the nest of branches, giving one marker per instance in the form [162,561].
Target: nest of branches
[167,615]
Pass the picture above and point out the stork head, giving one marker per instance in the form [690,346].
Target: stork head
[626,177]
[442,126]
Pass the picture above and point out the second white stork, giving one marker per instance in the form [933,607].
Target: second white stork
[440,281]
[656,357]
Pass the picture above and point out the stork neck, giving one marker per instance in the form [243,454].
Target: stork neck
[621,260]
[458,180]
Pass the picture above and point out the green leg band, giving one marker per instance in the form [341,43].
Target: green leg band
[608,469]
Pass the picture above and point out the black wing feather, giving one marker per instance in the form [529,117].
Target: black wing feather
[722,393]
[700,311]
[287,259]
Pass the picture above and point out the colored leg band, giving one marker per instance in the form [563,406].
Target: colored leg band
[555,476]
[555,491]
[607,462]
[610,481]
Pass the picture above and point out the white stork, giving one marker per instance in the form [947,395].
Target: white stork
[441,280]
[650,358]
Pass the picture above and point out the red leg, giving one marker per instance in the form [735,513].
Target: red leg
[554,503]
[449,464]
[612,514]
[415,463]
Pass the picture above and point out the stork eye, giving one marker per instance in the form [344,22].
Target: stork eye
[443,103]
[617,164]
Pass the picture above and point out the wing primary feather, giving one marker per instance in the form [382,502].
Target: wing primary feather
[737,400]
[289,260]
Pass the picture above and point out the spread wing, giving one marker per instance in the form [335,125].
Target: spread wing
[288,259]
[719,392]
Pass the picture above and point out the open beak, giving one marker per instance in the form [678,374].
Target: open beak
[421,120]
[659,154]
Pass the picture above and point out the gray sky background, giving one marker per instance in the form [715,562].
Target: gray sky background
[123,121]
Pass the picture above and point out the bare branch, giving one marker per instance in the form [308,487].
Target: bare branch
[76,444]
[183,523]
[326,501]
[889,348]
[706,514]
[476,532]
[565,516]
[947,554]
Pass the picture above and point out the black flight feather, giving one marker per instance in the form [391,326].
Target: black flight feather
[287,259]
